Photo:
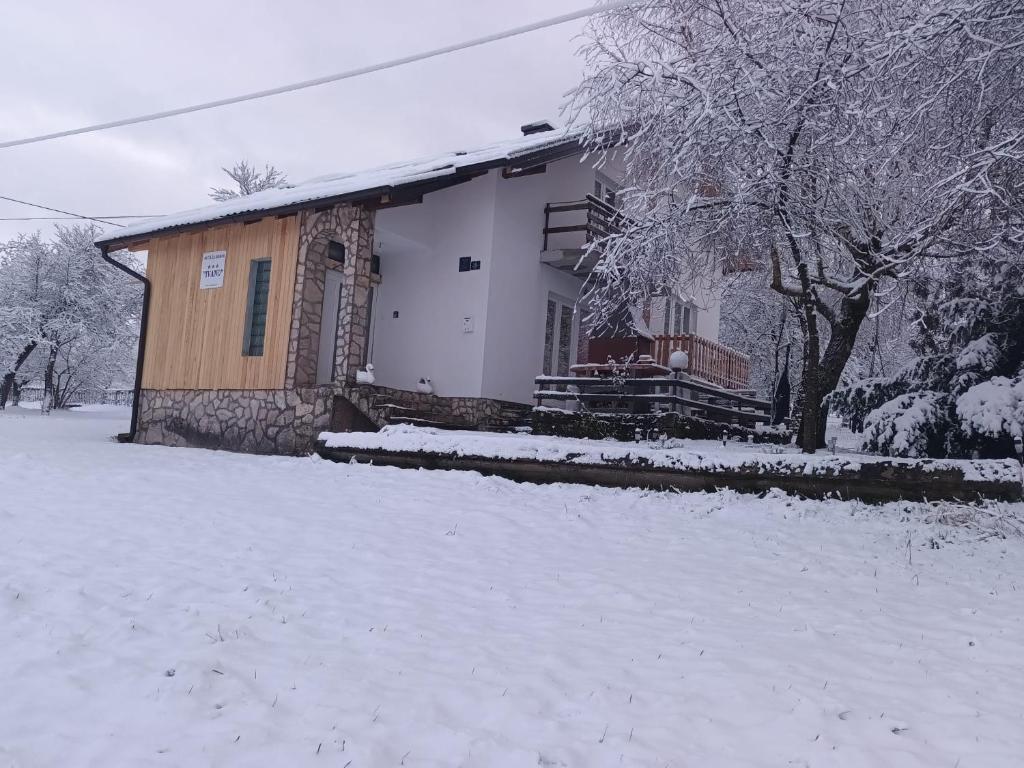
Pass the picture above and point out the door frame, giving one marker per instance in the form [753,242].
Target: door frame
[324,374]
[562,303]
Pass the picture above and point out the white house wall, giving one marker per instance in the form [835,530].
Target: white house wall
[709,312]
[707,302]
[520,283]
[500,223]
[420,247]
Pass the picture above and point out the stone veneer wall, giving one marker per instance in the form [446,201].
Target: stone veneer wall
[353,227]
[251,421]
[469,411]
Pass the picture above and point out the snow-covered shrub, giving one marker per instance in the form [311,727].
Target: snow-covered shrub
[994,407]
[981,354]
[909,425]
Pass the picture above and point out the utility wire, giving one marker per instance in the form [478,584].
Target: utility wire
[612,5]
[58,210]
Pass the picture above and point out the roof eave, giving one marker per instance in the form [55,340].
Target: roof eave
[560,151]
[112,241]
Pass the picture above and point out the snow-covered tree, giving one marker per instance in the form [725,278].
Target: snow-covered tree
[23,267]
[65,313]
[762,325]
[249,179]
[963,392]
[841,144]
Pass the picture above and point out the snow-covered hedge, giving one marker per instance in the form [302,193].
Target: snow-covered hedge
[994,407]
[906,425]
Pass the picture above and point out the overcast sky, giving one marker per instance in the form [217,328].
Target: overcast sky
[67,64]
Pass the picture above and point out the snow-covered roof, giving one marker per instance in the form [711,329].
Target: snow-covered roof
[382,179]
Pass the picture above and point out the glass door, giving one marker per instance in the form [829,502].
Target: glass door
[559,336]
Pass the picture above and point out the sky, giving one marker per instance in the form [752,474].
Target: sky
[67,64]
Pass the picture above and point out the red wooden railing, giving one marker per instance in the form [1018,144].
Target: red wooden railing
[709,360]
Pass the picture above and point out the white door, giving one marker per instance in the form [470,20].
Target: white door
[559,336]
[329,328]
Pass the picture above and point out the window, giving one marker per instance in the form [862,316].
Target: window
[680,318]
[256,313]
[336,252]
[604,190]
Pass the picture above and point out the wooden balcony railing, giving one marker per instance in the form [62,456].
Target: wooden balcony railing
[709,360]
[591,217]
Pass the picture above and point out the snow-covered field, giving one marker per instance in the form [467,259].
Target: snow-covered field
[174,607]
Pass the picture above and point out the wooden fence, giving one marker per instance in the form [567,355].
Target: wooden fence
[709,360]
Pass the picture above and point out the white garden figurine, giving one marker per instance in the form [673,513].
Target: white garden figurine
[425,386]
[365,377]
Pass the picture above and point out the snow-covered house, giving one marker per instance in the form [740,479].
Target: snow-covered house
[455,276]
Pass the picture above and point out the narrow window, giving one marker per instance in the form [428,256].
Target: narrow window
[677,325]
[549,335]
[256,313]
[564,341]
[688,320]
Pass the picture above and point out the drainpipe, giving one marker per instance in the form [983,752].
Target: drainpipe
[130,435]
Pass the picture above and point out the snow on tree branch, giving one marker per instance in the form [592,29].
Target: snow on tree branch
[249,179]
[839,142]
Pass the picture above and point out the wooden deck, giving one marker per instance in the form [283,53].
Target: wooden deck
[631,389]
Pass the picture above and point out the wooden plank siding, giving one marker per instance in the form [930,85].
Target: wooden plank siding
[195,336]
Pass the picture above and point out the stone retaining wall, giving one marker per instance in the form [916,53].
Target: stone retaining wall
[872,482]
[252,421]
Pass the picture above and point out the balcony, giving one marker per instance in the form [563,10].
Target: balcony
[569,229]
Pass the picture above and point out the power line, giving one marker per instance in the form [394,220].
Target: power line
[612,5]
[58,210]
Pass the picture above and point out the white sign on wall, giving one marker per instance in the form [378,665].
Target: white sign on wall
[212,275]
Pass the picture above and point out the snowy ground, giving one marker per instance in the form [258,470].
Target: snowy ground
[173,607]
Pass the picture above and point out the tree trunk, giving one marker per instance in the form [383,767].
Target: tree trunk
[822,375]
[8,381]
[810,418]
[809,385]
[51,362]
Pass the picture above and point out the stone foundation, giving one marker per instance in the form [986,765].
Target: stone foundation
[465,412]
[288,421]
[251,421]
